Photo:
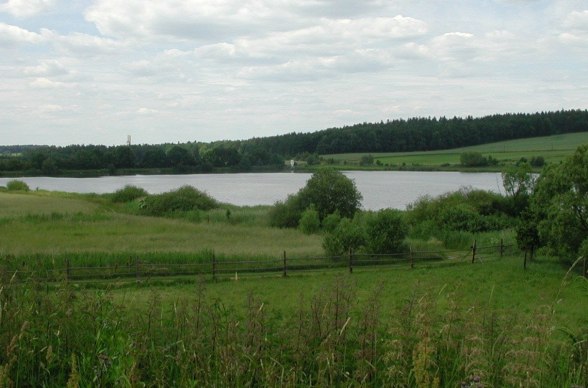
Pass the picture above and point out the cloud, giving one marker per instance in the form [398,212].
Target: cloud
[26,8]
[10,34]
[47,68]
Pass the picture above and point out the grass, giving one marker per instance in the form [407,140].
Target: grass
[552,148]
[445,325]
[43,224]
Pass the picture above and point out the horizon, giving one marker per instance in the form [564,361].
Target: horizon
[94,71]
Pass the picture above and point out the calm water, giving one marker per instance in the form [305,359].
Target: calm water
[380,189]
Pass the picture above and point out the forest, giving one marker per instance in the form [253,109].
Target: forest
[414,134]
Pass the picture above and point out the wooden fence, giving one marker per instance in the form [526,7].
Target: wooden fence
[284,264]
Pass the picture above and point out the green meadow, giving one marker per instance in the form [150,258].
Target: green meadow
[451,323]
[552,148]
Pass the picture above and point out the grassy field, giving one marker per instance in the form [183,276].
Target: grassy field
[58,224]
[438,324]
[552,148]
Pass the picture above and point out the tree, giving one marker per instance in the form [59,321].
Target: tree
[518,180]
[328,190]
[560,202]
[519,184]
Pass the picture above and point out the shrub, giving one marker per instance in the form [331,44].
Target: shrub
[184,199]
[473,159]
[310,222]
[17,185]
[331,221]
[347,235]
[286,214]
[128,193]
[386,231]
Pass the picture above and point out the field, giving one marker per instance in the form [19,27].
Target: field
[552,148]
[491,322]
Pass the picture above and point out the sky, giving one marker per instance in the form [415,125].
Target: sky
[97,71]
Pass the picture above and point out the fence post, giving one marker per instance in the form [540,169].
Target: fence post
[350,260]
[525,261]
[67,270]
[213,267]
[411,257]
[585,268]
[501,247]
[285,265]
[474,252]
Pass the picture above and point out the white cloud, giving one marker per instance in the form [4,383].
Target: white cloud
[46,83]
[26,8]
[14,35]
[47,68]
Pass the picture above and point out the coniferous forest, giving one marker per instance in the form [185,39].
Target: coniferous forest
[414,134]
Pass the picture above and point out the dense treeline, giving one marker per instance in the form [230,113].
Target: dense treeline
[425,134]
[416,134]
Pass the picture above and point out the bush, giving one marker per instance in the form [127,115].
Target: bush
[128,193]
[286,214]
[16,185]
[473,159]
[331,221]
[347,235]
[310,222]
[184,199]
[386,231]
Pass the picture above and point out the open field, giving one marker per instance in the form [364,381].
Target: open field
[445,322]
[552,148]
[53,224]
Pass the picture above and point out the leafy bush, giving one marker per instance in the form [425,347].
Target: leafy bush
[17,185]
[473,159]
[310,222]
[286,214]
[386,231]
[128,193]
[347,235]
[331,221]
[184,199]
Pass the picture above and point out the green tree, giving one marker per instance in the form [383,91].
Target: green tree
[328,190]
[560,202]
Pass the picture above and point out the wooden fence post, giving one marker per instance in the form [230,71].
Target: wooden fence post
[474,252]
[213,267]
[585,268]
[137,270]
[525,261]
[67,270]
[285,265]
[350,260]
[501,247]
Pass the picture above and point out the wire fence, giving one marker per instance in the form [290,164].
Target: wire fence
[214,268]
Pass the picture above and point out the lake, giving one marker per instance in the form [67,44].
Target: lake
[380,189]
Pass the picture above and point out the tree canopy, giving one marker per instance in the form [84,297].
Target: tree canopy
[560,204]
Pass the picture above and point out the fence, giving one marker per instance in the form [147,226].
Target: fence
[215,268]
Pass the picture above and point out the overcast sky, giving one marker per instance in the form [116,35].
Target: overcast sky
[95,71]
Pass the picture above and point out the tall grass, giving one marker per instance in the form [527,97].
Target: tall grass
[332,337]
